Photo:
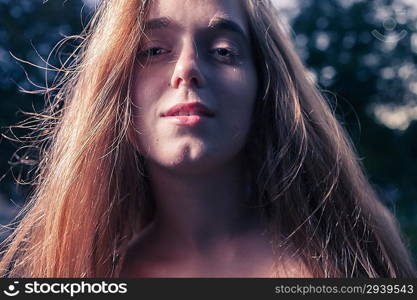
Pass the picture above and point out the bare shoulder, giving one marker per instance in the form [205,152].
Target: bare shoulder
[292,268]
[288,265]
[140,256]
[145,259]
[140,263]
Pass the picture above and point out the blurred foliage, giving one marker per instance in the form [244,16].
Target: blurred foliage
[360,72]
[28,31]
[369,79]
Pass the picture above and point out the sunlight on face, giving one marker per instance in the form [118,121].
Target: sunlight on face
[194,51]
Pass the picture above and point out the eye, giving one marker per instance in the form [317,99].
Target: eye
[153,51]
[225,54]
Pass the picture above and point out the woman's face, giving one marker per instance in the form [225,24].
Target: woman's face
[194,51]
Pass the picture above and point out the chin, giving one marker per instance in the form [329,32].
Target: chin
[190,165]
[196,164]
[193,157]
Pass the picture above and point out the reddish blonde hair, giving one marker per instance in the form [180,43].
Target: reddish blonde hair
[91,190]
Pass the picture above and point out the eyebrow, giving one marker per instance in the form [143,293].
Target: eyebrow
[217,23]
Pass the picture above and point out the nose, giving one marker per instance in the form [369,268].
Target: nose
[187,70]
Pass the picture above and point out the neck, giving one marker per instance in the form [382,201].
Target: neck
[200,211]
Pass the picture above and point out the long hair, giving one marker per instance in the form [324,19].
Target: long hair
[91,193]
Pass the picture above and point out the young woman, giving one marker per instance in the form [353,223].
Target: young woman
[185,140]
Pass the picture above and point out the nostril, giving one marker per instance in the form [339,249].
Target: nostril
[187,74]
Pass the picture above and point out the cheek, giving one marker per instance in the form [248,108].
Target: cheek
[239,91]
[239,82]
[146,92]
[145,95]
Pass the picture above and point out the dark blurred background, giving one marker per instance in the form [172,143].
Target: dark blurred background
[362,54]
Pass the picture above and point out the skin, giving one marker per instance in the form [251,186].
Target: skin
[182,69]
[202,226]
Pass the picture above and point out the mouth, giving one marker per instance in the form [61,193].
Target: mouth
[188,114]
[188,109]
[191,120]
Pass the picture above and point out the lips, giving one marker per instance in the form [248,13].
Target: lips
[188,109]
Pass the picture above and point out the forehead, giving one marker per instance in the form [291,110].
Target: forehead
[198,13]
